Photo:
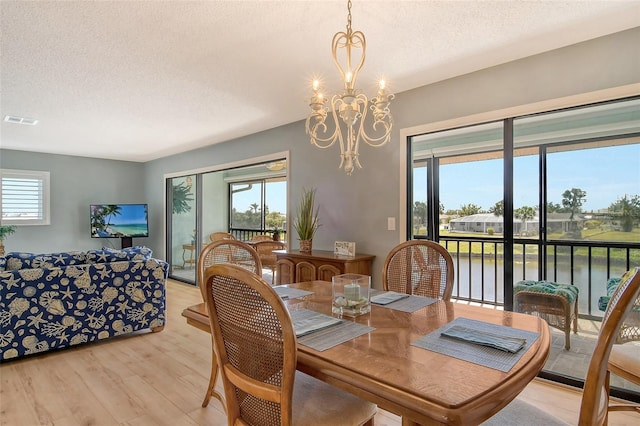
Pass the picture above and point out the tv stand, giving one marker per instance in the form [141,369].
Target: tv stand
[126,242]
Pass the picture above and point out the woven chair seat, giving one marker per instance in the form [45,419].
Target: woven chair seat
[556,303]
[338,407]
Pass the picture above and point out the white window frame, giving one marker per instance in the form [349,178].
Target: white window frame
[43,196]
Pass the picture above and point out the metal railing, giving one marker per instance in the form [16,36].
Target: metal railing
[479,267]
[245,234]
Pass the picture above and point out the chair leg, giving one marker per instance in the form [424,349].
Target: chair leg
[211,389]
[567,331]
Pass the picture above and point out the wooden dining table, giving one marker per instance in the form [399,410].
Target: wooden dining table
[422,386]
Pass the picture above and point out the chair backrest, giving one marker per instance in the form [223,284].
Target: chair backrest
[229,251]
[217,236]
[594,408]
[419,267]
[255,345]
[262,237]
[265,251]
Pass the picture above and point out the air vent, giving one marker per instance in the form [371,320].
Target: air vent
[20,120]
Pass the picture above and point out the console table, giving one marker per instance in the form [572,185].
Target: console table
[292,266]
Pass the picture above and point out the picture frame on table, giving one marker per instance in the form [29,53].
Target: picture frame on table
[344,248]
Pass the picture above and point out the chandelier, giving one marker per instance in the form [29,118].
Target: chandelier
[349,107]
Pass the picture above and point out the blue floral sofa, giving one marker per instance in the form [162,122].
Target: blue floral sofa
[56,300]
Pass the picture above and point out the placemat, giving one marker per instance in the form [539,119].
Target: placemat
[327,338]
[307,322]
[408,304]
[477,354]
[287,293]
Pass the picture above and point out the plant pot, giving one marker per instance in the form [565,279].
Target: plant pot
[305,246]
[276,236]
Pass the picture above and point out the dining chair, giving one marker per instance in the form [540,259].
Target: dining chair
[216,236]
[255,346]
[419,267]
[267,257]
[229,251]
[261,237]
[595,405]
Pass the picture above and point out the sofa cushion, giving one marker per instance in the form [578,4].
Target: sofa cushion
[106,256]
[603,301]
[3,263]
[138,253]
[16,260]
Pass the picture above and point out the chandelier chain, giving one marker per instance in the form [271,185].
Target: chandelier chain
[349,17]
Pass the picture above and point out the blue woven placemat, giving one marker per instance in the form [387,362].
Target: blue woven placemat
[408,304]
[327,338]
[478,354]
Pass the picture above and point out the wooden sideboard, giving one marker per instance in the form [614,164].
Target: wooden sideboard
[293,266]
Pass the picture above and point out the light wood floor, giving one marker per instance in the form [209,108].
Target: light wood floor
[160,379]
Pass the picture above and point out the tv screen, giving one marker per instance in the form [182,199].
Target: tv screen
[119,220]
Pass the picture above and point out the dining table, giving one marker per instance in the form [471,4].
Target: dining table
[399,362]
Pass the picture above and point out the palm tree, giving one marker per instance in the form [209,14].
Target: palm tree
[110,211]
[573,200]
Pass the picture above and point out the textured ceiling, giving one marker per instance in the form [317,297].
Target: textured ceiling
[134,80]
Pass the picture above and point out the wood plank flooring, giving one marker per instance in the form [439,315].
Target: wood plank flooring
[160,379]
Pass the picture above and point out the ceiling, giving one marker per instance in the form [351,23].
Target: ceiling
[140,80]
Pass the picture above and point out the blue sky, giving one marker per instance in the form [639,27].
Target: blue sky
[130,214]
[606,174]
[276,198]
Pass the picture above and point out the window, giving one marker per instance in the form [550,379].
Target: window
[24,197]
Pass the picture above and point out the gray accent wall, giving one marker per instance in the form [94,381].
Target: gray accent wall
[75,184]
[352,208]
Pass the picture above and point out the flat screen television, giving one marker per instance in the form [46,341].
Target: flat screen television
[119,221]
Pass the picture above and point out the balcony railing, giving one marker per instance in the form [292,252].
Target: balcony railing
[479,266]
[245,234]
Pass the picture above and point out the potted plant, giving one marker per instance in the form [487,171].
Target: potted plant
[306,221]
[276,233]
[5,231]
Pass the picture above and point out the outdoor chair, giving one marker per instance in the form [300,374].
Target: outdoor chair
[255,347]
[556,303]
[419,267]
[226,252]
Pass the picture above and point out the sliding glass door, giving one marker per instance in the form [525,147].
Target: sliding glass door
[242,200]
[569,183]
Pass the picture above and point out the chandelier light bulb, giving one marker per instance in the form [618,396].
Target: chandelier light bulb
[349,107]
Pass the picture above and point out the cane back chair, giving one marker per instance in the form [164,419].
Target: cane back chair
[419,267]
[595,403]
[255,346]
[267,257]
[225,251]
